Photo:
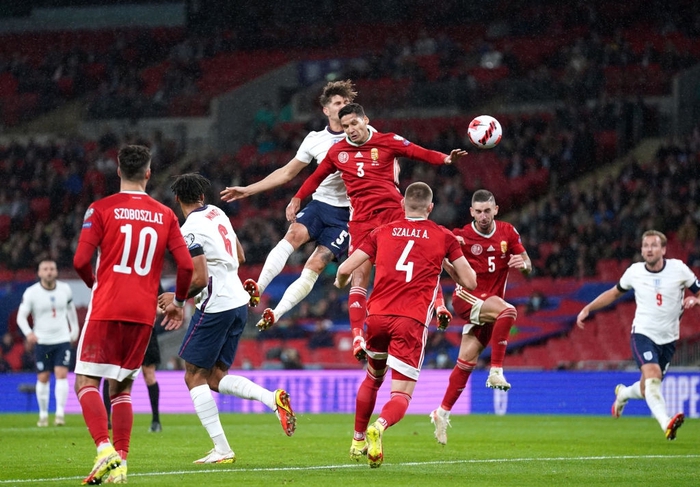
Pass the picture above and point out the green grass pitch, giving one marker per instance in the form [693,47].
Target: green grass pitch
[482,450]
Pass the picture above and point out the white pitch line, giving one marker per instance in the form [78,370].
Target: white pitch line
[403,464]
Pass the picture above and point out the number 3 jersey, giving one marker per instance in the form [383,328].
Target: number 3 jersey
[131,231]
[208,231]
[408,256]
[489,255]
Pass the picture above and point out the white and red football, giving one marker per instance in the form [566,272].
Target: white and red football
[485,132]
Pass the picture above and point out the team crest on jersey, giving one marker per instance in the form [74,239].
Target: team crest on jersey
[504,246]
[477,249]
[189,240]
[88,213]
[343,157]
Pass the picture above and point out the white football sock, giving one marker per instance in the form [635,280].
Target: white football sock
[443,412]
[61,394]
[296,292]
[274,263]
[235,385]
[208,413]
[631,392]
[656,402]
[42,398]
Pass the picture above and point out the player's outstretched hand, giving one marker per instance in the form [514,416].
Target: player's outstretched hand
[443,317]
[455,156]
[234,193]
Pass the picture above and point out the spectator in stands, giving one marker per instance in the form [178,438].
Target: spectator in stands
[688,232]
[694,256]
[28,358]
[8,343]
[4,364]
[291,359]
[438,350]
[322,336]
[536,302]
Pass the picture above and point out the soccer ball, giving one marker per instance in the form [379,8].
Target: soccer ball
[485,132]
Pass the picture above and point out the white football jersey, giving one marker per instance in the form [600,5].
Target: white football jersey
[49,310]
[209,228]
[315,146]
[659,298]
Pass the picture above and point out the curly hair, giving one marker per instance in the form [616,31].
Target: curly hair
[190,187]
[342,88]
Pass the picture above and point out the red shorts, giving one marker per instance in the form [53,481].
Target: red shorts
[361,229]
[468,307]
[112,349]
[402,338]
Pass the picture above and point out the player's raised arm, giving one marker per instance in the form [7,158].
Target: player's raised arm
[455,156]
[604,299]
[325,168]
[276,178]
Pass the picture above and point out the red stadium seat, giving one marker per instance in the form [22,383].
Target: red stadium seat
[41,208]
[5,222]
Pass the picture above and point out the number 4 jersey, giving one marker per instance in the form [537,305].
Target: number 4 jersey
[131,231]
[408,256]
[208,231]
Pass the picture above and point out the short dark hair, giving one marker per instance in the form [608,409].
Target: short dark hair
[418,196]
[190,187]
[337,88]
[134,161]
[483,196]
[352,109]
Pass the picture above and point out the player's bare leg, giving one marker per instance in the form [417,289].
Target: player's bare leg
[300,288]
[296,236]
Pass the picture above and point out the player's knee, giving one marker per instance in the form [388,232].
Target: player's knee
[319,259]
[297,235]
[510,311]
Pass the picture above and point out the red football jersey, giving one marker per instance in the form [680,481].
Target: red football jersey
[370,171]
[489,255]
[408,256]
[131,231]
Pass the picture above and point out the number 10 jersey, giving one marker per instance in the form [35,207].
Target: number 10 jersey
[131,231]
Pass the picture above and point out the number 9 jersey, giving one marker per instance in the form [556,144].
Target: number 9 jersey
[131,231]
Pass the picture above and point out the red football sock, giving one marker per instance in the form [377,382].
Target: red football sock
[122,423]
[499,338]
[458,381]
[395,408]
[365,401]
[357,307]
[94,413]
